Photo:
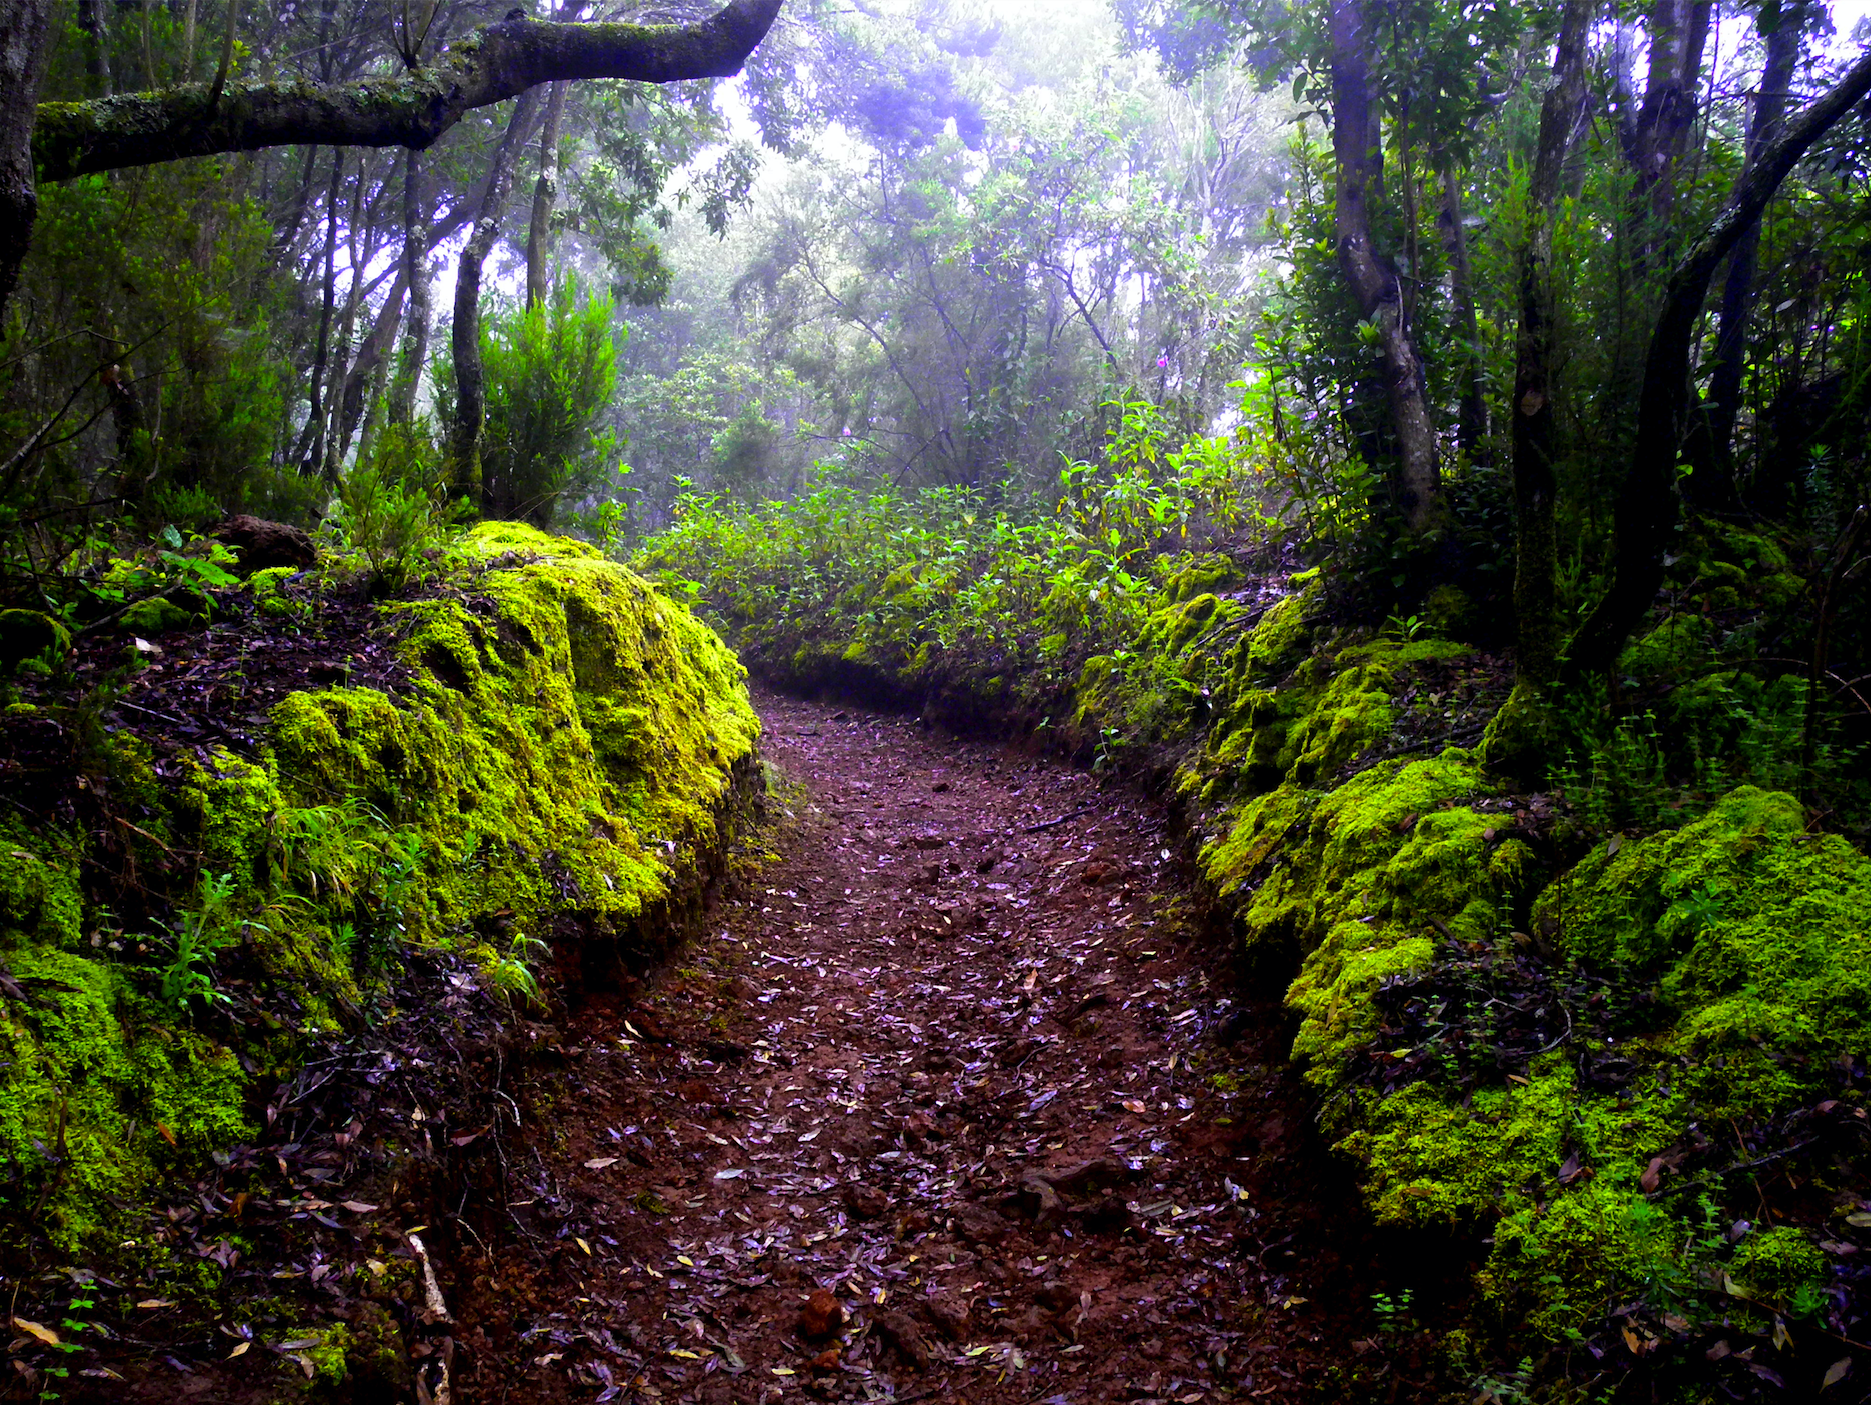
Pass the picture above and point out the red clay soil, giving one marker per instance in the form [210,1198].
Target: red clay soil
[954,1103]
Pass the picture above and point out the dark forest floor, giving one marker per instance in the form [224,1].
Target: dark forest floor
[955,1103]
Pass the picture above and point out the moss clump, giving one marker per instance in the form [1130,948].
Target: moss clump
[562,761]
[1780,1266]
[29,634]
[1752,939]
[99,1085]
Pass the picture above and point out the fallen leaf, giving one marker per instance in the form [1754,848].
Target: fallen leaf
[1652,1176]
[167,1132]
[581,1244]
[358,1207]
[1837,1372]
[1132,1105]
[733,1173]
[240,1349]
[33,1329]
[151,1304]
[1859,1219]
[600,1163]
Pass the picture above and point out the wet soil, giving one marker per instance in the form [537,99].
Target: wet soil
[955,1102]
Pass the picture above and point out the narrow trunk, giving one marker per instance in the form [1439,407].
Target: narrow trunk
[365,376]
[1679,31]
[1770,106]
[465,334]
[1646,508]
[96,43]
[408,384]
[1535,552]
[1471,430]
[1372,281]
[545,195]
[338,380]
[24,50]
[312,452]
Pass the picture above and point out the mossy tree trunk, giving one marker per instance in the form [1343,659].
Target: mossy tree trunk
[1373,282]
[24,50]
[1517,743]
[1535,485]
[1645,515]
[545,196]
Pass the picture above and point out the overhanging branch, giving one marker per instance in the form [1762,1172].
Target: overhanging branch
[492,64]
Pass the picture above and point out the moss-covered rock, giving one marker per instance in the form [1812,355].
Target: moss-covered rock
[557,772]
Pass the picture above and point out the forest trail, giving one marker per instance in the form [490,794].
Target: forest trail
[954,1104]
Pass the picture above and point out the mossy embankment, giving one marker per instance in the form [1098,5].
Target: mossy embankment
[1595,1054]
[526,770]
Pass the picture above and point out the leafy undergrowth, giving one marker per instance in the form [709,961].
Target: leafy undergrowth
[274,854]
[1602,1043]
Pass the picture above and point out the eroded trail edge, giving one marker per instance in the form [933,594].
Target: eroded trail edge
[955,1104]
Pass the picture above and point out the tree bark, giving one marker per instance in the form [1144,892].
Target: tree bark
[312,456]
[545,195]
[96,43]
[465,334]
[491,65]
[1535,486]
[24,51]
[1679,31]
[1770,106]
[1373,282]
[408,384]
[1471,428]
[1646,508]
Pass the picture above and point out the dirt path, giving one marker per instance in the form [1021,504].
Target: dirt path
[949,1108]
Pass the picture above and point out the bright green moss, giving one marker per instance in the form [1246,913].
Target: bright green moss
[39,895]
[1757,933]
[92,1067]
[1174,628]
[1186,577]
[567,748]
[1780,1266]
[1282,632]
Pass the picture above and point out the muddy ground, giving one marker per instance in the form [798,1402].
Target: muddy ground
[957,1102]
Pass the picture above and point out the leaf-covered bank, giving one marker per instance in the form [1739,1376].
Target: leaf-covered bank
[1595,1052]
[292,827]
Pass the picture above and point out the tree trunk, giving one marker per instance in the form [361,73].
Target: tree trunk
[1535,487]
[363,378]
[1471,429]
[491,65]
[96,43]
[1373,282]
[465,334]
[1646,508]
[1713,481]
[312,455]
[408,383]
[545,195]
[1679,31]
[24,50]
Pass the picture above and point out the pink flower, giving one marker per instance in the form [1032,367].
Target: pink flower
[1162,363]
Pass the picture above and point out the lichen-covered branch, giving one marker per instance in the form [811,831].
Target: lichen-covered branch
[493,64]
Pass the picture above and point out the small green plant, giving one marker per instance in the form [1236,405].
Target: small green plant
[512,975]
[391,510]
[1394,1315]
[198,935]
